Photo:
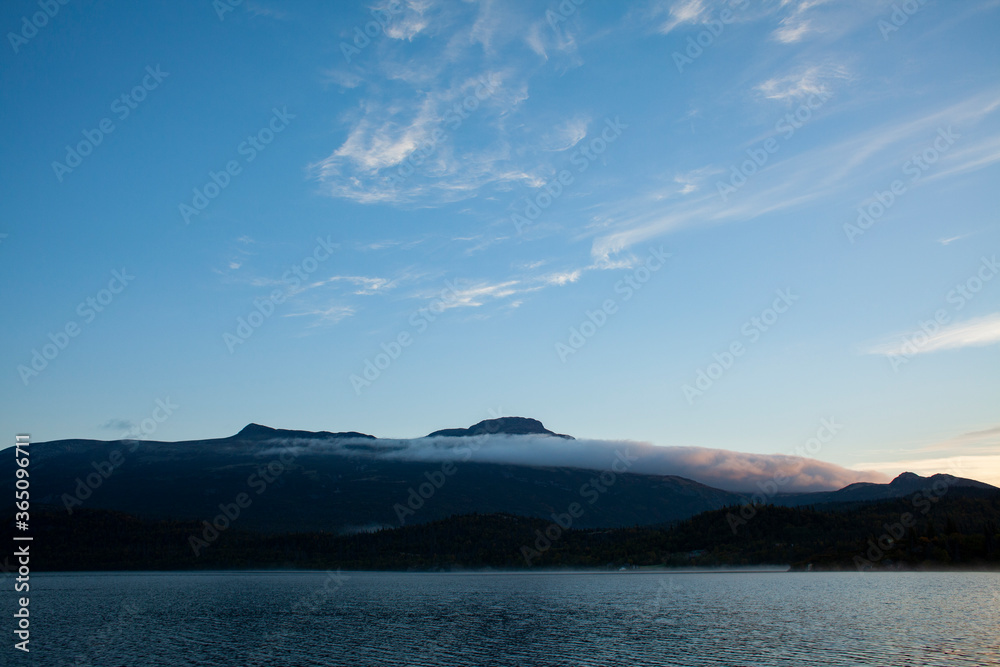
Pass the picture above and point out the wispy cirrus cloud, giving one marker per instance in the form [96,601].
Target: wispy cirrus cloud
[980,467]
[977,332]
[414,16]
[795,19]
[969,158]
[405,144]
[364,285]
[386,244]
[401,151]
[791,179]
[509,291]
[802,18]
[566,135]
[563,277]
[685,183]
[951,239]
[800,85]
[325,316]
[434,126]
[464,293]
[119,424]
[680,13]
[797,25]
[973,454]
[983,439]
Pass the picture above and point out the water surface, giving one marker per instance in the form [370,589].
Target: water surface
[638,619]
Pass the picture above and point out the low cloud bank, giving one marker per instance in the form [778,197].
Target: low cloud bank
[732,471]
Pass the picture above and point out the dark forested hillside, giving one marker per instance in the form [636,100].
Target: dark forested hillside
[959,529]
[306,492]
[301,481]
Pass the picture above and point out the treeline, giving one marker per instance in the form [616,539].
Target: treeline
[959,529]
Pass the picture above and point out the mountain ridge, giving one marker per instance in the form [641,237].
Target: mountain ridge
[904,484]
[255,431]
[316,481]
[500,426]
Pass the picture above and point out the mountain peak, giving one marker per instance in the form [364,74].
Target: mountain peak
[908,481]
[255,431]
[501,425]
[907,478]
[259,432]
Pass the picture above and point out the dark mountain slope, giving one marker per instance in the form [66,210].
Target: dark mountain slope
[295,481]
[962,529]
[504,425]
[304,488]
[906,484]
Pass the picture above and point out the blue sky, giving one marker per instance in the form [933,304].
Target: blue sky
[709,224]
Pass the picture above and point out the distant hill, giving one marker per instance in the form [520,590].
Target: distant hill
[258,432]
[295,483]
[344,482]
[505,425]
[961,530]
[906,484]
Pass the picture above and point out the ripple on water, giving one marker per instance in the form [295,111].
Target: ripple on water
[578,620]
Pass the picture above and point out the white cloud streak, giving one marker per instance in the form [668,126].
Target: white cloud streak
[971,333]
[799,178]
[813,80]
[682,13]
[734,471]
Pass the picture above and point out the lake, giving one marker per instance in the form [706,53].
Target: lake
[571,619]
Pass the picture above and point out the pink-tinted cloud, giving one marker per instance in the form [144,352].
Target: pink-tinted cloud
[733,471]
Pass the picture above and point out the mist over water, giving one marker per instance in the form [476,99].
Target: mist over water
[638,619]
